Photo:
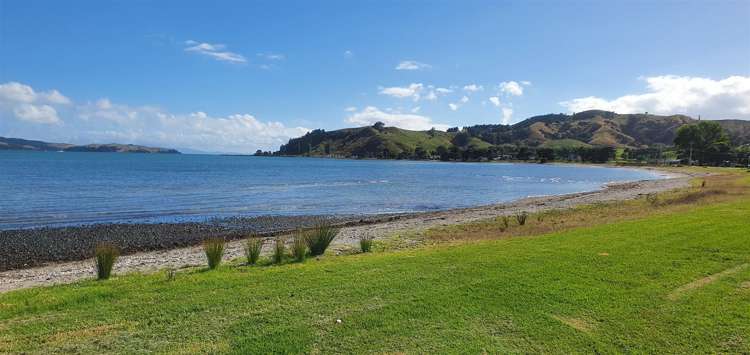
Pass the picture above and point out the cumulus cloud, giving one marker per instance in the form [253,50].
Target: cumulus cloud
[104,121]
[453,106]
[670,94]
[511,88]
[44,114]
[370,114]
[412,91]
[412,65]
[26,104]
[473,88]
[20,93]
[216,51]
[507,115]
[495,101]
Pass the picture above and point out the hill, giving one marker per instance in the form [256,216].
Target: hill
[584,129]
[24,144]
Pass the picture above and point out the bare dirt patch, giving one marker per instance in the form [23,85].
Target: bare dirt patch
[578,324]
[678,292]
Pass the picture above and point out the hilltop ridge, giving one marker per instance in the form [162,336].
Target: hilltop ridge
[25,144]
[593,128]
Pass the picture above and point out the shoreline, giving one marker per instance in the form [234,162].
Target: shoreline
[185,251]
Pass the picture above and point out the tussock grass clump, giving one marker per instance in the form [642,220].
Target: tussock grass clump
[365,243]
[171,274]
[252,249]
[279,249]
[504,223]
[320,237]
[214,249]
[652,199]
[299,246]
[521,218]
[106,256]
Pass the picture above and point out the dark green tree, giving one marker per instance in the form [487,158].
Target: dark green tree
[706,142]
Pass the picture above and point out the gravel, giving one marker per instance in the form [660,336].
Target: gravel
[47,256]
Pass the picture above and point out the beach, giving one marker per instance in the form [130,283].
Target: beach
[47,256]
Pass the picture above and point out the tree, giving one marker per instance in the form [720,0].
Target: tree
[706,142]
[545,154]
[379,126]
[420,153]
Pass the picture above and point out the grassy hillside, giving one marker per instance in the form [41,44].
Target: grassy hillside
[669,281]
[25,144]
[584,129]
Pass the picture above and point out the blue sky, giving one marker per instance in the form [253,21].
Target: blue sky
[237,76]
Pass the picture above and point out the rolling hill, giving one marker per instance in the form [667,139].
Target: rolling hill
[24,144]
[584,129]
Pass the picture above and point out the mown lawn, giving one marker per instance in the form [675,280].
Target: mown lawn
[642,285]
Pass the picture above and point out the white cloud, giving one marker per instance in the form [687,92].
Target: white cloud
[670,94]
[473,88]
[511,88]
[464,99]
[350,109]
[525,83]
[416,109]
[443,91]
[104,121]
[507,115]
[370,114]
[215,51]
[43,114]
[412,65]
[495,101]
[271,56]
[20,93]
[412,91]
[28,105]
[348,54]
[453,106]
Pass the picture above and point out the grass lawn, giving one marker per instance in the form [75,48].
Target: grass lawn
[675,281]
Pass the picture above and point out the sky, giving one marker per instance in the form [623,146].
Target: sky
[236,76]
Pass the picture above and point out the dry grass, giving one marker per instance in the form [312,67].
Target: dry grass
[725,186]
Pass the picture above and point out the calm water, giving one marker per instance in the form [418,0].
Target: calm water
[49,189]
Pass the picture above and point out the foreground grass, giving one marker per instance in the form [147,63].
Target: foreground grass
[676,281]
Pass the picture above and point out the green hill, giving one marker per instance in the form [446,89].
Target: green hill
[25,144]
[557,131]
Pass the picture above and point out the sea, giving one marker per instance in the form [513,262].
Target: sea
[53,189]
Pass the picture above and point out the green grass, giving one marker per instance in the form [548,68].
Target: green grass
[608,288]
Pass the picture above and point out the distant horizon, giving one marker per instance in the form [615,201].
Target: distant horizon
[236,77]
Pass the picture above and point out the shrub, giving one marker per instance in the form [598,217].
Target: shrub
[652,199]
[278,250]
[106,256]
[365,243]
[171,274]
[505,223]
[521,218]
[252,249]
[214,249]
[299,246]
[320,238]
